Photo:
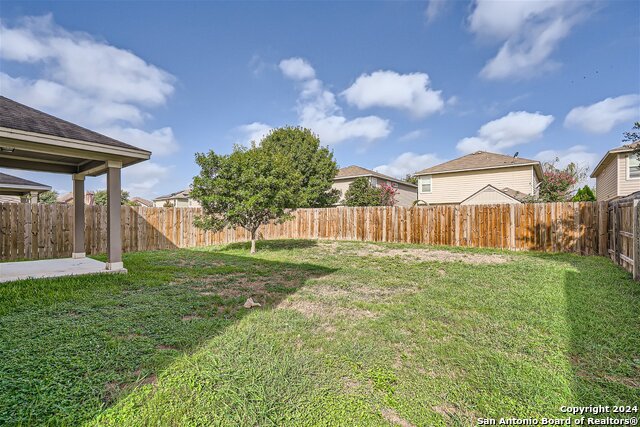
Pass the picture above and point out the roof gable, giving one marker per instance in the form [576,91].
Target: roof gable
[481,160]
[628,148]
[358,171]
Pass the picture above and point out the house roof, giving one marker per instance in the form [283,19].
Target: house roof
[142,201]
[17,184]
[509,192]
[68,197]
[481,160]
[628,148]
[14,115]
[357,171]
[182,194]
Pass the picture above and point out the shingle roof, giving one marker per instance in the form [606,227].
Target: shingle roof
[184,194]
[14,115]
[142,201]
[10,180]
[478,160]
[356,171]
[515,194]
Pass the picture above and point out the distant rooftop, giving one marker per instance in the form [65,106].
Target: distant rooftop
[357,171]
[479,160]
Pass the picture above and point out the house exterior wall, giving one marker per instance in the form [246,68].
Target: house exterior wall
[626,185]
[489,196]
[405,197]
[177,203]
[607,181]
[454,187]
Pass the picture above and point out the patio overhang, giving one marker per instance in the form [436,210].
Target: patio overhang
[36,141]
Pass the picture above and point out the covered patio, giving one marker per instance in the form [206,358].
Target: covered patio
[36,141]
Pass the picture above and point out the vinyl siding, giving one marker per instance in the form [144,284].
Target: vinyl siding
[607,181]
[626,186]
[178,203]
[456,186]
[489,196]
[405,197]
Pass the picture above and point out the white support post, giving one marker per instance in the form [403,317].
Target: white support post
[78,217]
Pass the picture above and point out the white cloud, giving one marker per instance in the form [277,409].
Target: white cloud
[515,128]
[602,116]
[434,9]
[319,111]
[86,81]
[297,69]
[143,179]
[408,163]
[529,30]
[410,92]
[161,141]
[253,132]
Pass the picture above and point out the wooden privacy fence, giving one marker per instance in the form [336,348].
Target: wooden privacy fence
[623,229]
[45,231]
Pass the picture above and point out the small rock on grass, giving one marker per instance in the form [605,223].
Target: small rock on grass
[250,303]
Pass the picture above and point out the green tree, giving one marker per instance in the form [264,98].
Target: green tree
[48,197]
[557,184]
[362,193]
[314,163]
[633,135]
[247,188]
[585,194]
[100,197]
[411,179]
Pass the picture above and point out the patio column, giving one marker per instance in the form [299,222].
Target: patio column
[34,197]
[78,216]
[114,242]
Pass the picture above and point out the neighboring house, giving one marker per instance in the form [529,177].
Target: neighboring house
[15,190]
[480,178]
[406,191]
[139,201]
[67,198]
[179,199]
[618,173]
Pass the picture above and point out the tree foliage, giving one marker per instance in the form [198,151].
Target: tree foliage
[362,193]
[314,163]
[557,184]
[411,179]
[100,197]
[48,197]
[247,188]
[585,194]
[633,135]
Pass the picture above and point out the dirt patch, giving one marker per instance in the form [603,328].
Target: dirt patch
[189,317]
[318,309]
[629,382]
[437,255]
[357,291]
[393,417]
[350,384]
[165,347]
[445,409]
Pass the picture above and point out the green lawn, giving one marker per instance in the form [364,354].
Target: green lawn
[348,334]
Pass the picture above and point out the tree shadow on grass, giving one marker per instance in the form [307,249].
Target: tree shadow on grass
[603,313]
[274,245]
[70,347]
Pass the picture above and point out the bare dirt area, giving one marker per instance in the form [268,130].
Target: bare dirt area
[416,254]
[325,311]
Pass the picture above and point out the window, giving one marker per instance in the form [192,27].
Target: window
[425,184]
[633,167]
[374,182]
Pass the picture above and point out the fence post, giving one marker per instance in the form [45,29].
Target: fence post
[636,240]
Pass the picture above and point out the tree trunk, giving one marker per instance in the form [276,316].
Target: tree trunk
[253,241]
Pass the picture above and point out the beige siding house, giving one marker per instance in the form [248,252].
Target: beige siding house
[179,199]
[407,192]
[618,173]
[480,178]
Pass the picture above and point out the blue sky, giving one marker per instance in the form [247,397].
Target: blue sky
[396,86]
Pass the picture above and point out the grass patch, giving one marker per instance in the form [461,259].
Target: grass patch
[345,336]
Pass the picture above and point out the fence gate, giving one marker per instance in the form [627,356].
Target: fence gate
[624,248]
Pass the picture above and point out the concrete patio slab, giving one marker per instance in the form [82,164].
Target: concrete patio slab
[10,271]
